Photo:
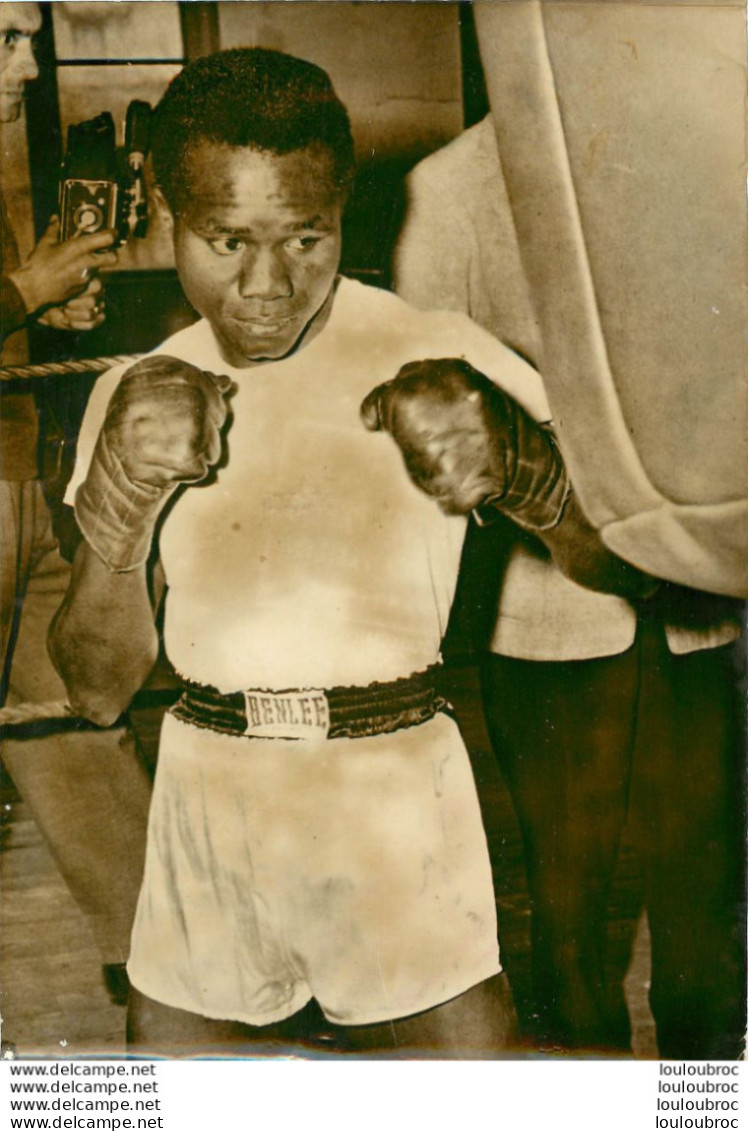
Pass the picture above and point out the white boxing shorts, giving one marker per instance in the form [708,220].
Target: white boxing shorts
[352,871]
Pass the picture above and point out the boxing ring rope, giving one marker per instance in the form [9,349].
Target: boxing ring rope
[27,720]
[64,368]
[34,712]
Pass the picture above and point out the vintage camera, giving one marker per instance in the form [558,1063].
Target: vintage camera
[101,185]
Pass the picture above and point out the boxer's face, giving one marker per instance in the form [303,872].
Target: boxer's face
[257,243]
[18,23]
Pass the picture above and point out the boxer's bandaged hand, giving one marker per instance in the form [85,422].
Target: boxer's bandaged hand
[162,428]
[468,444]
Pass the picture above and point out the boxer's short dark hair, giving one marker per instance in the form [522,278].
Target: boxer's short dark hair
[249,97]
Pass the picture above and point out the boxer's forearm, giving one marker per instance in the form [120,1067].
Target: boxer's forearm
[580,554]
[103,641]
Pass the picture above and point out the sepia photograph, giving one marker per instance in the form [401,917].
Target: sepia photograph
[374,502]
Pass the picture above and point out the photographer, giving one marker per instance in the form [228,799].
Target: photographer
[86,791]
[54,274]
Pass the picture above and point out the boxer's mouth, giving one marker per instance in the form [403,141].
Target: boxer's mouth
[261,327]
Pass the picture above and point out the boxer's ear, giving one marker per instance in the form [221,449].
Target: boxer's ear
[161,210]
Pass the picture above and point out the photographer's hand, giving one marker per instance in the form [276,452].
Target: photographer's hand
[85,312]
[56,272]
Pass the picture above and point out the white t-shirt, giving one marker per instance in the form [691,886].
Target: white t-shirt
[312,560]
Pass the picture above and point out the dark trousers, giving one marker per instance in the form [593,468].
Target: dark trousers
[651,739]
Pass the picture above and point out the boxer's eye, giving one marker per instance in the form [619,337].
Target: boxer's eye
[226,245]
[303,243]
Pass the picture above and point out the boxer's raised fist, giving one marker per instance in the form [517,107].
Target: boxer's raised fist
[164,421]
[465,442]
[162,428]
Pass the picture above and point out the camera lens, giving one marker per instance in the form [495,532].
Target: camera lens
[88,217]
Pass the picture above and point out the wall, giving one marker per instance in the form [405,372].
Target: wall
[395,65]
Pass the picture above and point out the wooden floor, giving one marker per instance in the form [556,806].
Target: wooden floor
[52,997]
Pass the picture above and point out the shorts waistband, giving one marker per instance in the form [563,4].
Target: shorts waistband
[315,713]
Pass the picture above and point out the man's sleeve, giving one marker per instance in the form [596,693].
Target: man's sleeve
[431,260]
[13,312]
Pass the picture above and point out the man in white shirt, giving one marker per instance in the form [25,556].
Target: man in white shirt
[601,710]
